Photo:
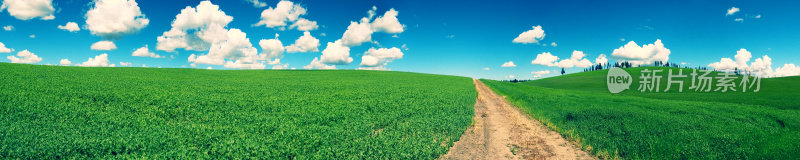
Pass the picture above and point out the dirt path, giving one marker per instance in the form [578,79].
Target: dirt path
[501,131]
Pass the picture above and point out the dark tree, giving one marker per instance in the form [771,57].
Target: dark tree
[562,71]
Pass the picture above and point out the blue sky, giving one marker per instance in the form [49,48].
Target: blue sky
[443,37]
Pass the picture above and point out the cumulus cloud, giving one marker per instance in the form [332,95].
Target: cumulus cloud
[357,33]
[554,44]
[305,43]
[601,59]
[645,54]
[545,58]
[286,12]
[202,28]
[378,58]
[787,70]
[510,77]
[25,56]
[336,53]
[387,23]
[317,64]
[539,74]
[29,9]
[739,19]
[65,62]
[98,61]
[70,26]
[3,48]
[257,3]
[125,63]
[272,48]
[361,31]
[576,60]
[759,67]
[508,64]
[731,11]
[8,27]
[145,52]
[486,69]
[531,36]
[303,24]
[111,19]
[104,46]
[241,65]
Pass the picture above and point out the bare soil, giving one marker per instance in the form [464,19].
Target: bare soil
[501,131]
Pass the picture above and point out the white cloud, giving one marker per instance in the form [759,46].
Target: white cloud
[380,57]
[272,48]
[759,67]
[25,56]
[65,62]
[645,54]
[539,74]
[576,60]
[70,26]
[510,77]
[404,47]
[486,69]
[195,28]
[145,52]
[508,64]
[724,64]
[554,44]
[242,65]
[203,29]
[731,11]
[305,43]
[317,64]
[98,61]
[739,19]
[357,33]
[336,53]
[8,27]
[3,48]
[757,16]
[742,56]
[32,36]
[303,24]
[545,58]
[104,46]
[29,9]
[361,31]
[787,70]
[531,36]
[125,63]
[112,19]
[387,23]
[257,3]
[601,59]
[284,12]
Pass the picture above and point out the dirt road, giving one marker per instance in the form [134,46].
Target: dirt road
[501,131]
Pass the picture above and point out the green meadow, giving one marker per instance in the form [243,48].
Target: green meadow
[53,112]
[659,125]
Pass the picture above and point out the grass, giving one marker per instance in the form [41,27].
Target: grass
[51,112]
[687,125]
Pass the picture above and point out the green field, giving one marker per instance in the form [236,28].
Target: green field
[49,112]
[687,125]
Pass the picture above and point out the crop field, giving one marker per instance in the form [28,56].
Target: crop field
[673,125]
[50,112]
